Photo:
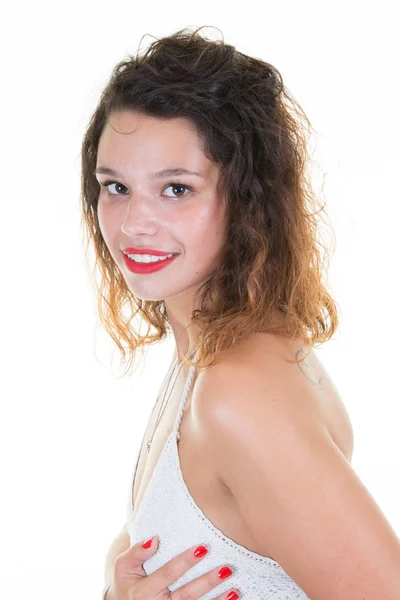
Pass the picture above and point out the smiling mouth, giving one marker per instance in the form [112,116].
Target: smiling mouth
[148,266]
[150,261]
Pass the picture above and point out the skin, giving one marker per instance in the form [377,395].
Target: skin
[144,212]
[283,451]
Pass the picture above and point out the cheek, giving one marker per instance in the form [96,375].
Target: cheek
[100,213]
[211,220]
[219,225]
[104,217]
[211,238]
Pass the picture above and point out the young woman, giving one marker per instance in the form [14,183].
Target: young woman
[197,203]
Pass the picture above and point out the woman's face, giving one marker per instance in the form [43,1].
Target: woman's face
[141,209]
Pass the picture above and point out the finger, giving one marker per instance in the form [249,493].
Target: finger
[205,583]
[172,570]
[132,559]
[229,595]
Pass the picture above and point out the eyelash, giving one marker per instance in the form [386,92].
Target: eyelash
[105,184]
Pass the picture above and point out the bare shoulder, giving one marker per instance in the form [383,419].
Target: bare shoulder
[261,419]
[269,370]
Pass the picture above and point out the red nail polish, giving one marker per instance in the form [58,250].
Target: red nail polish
[147,543]
[224,572]
[200,551]
[232,596]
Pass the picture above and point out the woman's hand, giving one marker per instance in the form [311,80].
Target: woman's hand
[130,581]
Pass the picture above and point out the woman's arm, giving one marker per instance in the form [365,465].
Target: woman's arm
[298,495]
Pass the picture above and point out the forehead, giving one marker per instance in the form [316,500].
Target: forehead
[133,136]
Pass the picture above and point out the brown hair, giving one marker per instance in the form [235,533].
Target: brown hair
[257,133]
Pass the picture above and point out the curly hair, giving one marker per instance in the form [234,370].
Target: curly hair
[255,131]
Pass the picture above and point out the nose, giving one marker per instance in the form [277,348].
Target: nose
[139,217]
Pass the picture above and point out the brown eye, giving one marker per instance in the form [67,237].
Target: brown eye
[106,184]
[177,189]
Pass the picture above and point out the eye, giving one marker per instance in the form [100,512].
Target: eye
[176,186]
[105,184]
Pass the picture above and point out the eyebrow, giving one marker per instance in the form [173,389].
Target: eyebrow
[156,175]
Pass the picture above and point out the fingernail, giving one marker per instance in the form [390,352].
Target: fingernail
[232,596]
[224,572]
[200,551]
[147,543]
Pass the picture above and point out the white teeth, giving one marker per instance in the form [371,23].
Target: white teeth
[148,258]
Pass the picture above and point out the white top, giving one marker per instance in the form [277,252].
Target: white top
[168,510]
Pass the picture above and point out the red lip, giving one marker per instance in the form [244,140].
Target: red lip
[146,251]
[143,268]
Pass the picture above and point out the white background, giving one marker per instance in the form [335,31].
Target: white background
[70,428]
